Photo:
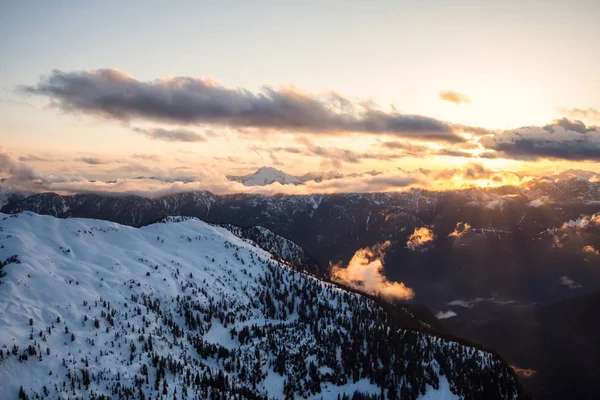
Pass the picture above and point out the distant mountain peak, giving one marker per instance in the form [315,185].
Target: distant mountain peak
[268,175]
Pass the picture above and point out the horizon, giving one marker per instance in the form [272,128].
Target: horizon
[161,187]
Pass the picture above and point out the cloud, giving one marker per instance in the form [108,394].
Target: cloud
[92,160]
[589,249]
[568,282]
[474,173]
[21,177]
[335,155]
[454,97]
[591,113]
[445,314]
[462,228]
[114,94]
[420,151]
[365,272]
[148,157]
[472,302]
[419,238]
[453,153]
[32,158]
[576,230]
[169,135]
[15,169]
[563,139]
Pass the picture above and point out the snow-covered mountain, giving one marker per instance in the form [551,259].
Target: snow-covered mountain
[266,176]
[278,246]
[92,309]
[7,197]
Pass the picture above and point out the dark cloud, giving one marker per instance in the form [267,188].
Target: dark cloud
[562,139]
[413,150]
[334,155]
[169,135]
[32,158]
[476,171]
[408,149]
[453,153]
[149,157]
[569,125]
[454,97]
[91,160]
[113,94]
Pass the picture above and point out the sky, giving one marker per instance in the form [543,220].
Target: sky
[109,91]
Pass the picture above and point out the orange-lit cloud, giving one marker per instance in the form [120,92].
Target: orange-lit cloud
[461,229]
[365,272]
[575,229]
[419,238]
[589,249]
[454,97]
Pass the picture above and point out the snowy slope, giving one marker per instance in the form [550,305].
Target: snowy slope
[189,310]
[278,246]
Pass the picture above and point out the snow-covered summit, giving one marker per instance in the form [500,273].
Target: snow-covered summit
[266,176]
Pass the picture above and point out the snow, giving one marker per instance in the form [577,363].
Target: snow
[442,393]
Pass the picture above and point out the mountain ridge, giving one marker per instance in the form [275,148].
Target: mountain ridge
[190,310]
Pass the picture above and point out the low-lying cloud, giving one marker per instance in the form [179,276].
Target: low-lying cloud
[16,169]
[578,230]
[445,314]
[365,272]
[462,228]
[568,282]
[419,238]
[589,249]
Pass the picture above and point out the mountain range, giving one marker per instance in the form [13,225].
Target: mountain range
[488,253]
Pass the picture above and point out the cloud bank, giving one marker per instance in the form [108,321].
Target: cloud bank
[365,272]
[114,94]
[563,139]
